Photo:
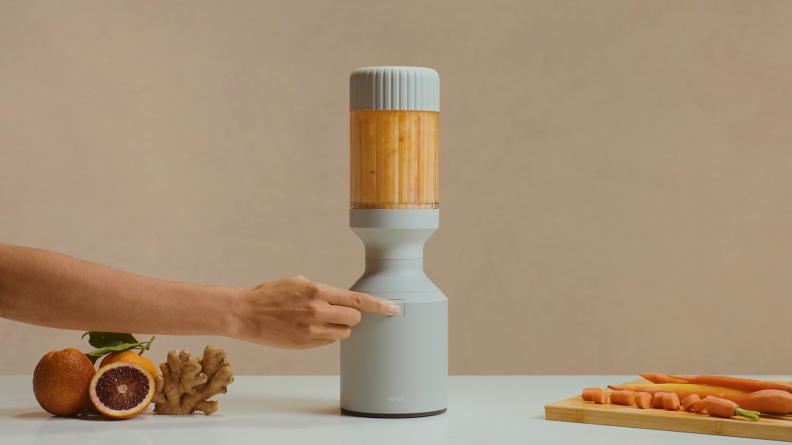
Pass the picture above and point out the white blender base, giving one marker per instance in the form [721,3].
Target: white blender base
[396,366]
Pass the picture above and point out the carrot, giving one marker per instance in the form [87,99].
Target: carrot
[673,387]
[671,401]
[643,400]
[680,393]
[657,402]
[699,406]
[717,407]
[600,397]
[626,398]
[660,378]
[690,401]
[748,385]
[767,400]
[588,394]
[594,395]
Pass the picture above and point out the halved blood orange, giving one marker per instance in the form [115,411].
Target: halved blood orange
[122,390]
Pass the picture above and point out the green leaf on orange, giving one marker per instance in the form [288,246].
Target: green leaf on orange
[108,339]
[94,355]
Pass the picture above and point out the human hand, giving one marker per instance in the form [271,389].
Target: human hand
[295,313]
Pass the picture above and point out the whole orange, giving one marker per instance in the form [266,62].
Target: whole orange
[61,380]
[130,356]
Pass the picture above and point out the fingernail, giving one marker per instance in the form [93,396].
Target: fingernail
[393,309]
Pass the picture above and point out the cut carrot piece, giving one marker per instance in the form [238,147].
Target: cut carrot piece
[690,401]
[588,394]
[643,400]
[671,401]
[600,397]
[626,398]
[657,402]
[700,406]
[717,407]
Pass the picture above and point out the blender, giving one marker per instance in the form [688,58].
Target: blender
[395,366]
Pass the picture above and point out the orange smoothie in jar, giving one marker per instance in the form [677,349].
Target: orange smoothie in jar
[394,159]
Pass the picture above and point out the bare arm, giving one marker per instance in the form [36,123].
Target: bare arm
[50,289]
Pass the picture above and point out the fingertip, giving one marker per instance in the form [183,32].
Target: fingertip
[393,308]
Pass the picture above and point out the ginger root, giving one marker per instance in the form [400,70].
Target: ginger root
[187,384]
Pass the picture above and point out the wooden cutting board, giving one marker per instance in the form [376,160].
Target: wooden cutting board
[575,409]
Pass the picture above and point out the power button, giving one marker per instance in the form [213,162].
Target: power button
[401,305]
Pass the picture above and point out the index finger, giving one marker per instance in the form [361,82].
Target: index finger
[360,301]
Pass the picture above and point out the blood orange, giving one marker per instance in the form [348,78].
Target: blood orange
[61,380]
[122,390]
[130,356]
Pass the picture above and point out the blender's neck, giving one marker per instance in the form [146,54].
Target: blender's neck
[394,241]
[394,234]
[394,276]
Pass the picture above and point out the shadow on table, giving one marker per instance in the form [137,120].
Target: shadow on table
[248,412]
[275,413]
[23,415]
[43,415]
[247,405]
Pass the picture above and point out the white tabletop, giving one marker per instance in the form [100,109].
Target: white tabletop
[299,410]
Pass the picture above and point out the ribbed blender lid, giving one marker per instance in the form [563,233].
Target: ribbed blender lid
[394,88]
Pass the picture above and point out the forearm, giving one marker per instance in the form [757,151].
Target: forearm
[54,290]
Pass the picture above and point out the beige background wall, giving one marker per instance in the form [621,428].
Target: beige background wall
[615,176]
